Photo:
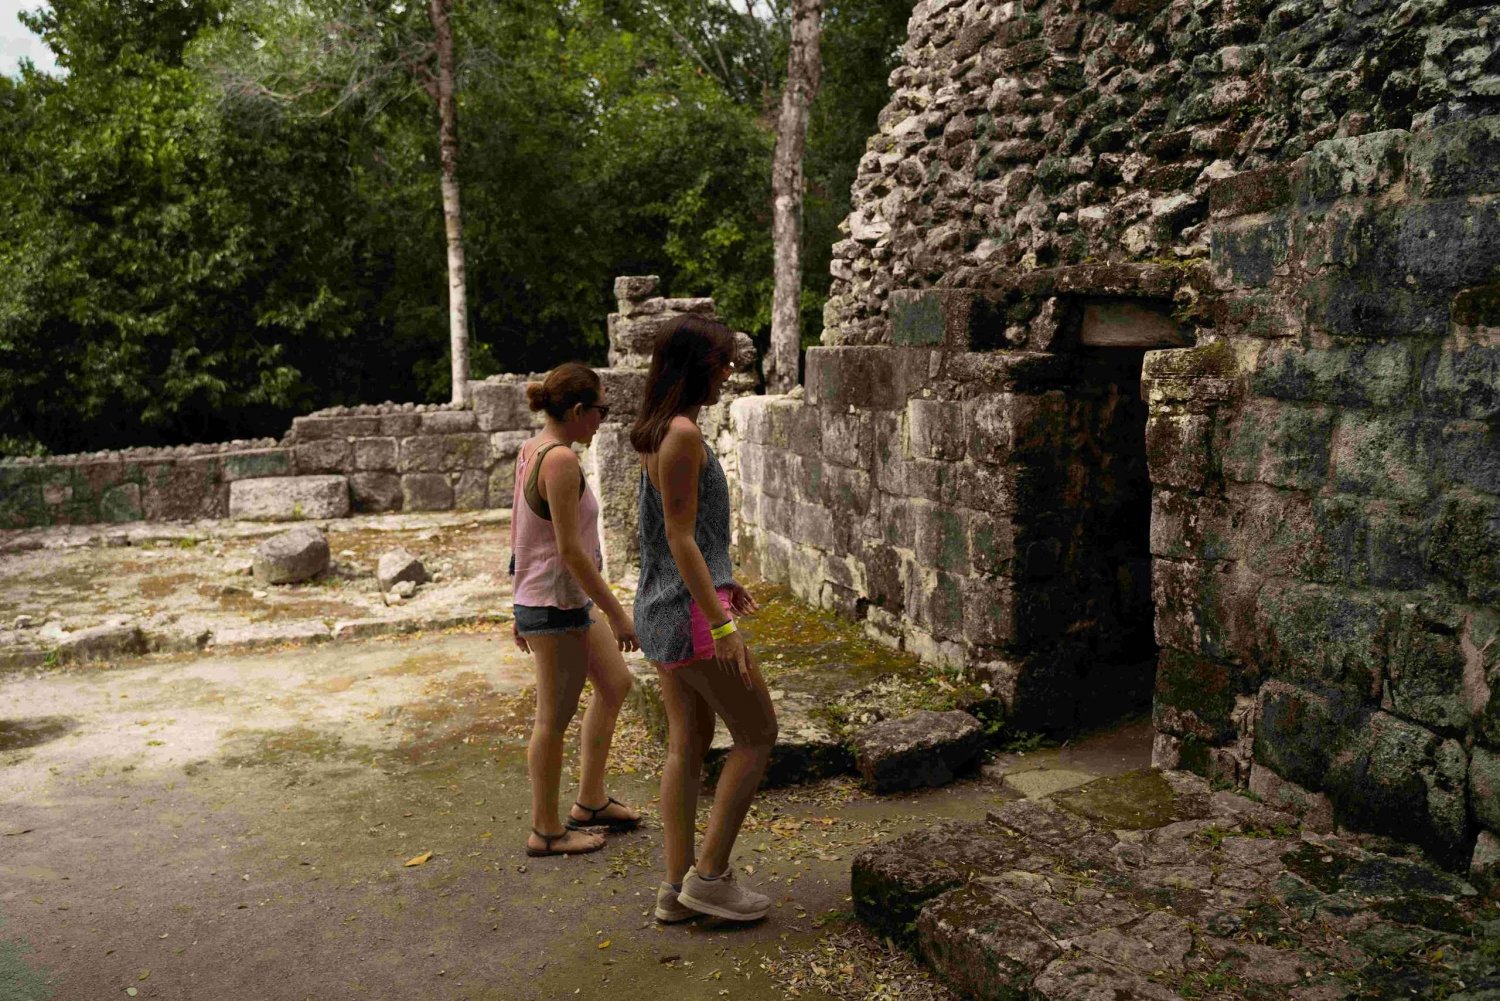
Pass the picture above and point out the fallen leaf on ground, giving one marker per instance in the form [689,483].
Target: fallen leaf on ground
[420,859]
[604,944]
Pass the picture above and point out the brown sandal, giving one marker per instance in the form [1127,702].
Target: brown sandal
[549,850]
[594,820]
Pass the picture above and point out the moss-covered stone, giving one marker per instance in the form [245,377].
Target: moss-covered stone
[1282,444]
[1465,545]
[1195,696]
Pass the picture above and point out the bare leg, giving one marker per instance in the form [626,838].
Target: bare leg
[611,678]
[688,717]
[752,722]
[561,663]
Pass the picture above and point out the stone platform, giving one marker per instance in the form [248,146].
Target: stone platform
[1151,886]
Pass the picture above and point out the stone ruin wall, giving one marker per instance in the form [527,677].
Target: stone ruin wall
[1294,207]
[377,458]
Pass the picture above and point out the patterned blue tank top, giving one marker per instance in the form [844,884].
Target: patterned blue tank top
[662,602]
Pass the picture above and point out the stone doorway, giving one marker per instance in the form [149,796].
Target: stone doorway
[1084,534]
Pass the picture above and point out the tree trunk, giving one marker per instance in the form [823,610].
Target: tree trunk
[804,68]
[458,311]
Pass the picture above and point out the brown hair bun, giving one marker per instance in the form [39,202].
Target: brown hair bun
[563,388]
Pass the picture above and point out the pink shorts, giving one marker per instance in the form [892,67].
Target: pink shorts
[698,627]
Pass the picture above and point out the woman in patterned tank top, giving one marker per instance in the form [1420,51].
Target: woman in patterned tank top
[685,609]
[555,563]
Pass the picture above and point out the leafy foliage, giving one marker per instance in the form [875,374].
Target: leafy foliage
[190,257]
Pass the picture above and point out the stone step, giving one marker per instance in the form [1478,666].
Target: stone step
[1202,889]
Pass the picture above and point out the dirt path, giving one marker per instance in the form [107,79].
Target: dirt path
[193,827]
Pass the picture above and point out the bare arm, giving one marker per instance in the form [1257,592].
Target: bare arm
[561,475]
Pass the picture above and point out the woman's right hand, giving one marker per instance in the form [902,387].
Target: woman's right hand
[731,654]
[623,627]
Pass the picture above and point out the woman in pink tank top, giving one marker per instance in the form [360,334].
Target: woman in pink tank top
[555,561]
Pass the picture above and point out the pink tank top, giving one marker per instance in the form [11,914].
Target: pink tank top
[541,577]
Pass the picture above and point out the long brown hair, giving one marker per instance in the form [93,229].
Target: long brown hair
[687,351]
[566,386]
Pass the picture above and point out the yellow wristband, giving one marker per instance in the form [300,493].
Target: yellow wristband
[723,629]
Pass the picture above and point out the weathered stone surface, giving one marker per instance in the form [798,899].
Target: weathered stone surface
[500,405]
[397,565]
[426,492]
[305,429]
[434,453]
[923,749]
[185,490]
[289,498]
[326,455]
[291,557]
[375,492]
[375,454]
[115,639]
[891,882]
[257,462]
[1041,903]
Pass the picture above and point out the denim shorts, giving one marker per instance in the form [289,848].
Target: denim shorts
[540,620]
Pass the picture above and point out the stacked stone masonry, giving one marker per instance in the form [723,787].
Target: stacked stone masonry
[373,458]
[1188,311]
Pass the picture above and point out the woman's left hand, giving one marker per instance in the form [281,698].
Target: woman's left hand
[521,643]
[741,602]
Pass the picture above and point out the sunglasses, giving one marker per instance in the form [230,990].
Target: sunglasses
[602,408]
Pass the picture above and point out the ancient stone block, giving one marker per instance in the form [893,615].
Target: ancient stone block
[257,462]
[1285,445]
[624,389]
[847,438]
[923,749]
[992,542]
[1463,382]
[1384,455]
[471,492]
[1249,253]
[1188,527]
[983,944]
[990,611]
[848,492]
[1313,808]
[892,881]
[942,538]
[325,455]
[959,319]
[184,489]
[1361,375]
[1181,452]
[1324,637]
[121,503]
[1465,545]
[1298,732]
[375,454]
[1397,778]
[1195,697]
[292,556]
[1251,191]
[636,288]
[444,453]
[1460,158]
[426,492]
[1203,610]
[839,377]
[936,429]
[1484,787]
[1358,166]
[1426,682]
[306,429]
[404,424]
[289,498]
[1470,455]
[372,493]
[498,406]
[448,422]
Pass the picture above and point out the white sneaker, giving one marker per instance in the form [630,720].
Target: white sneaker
[722,897]
[668,909]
